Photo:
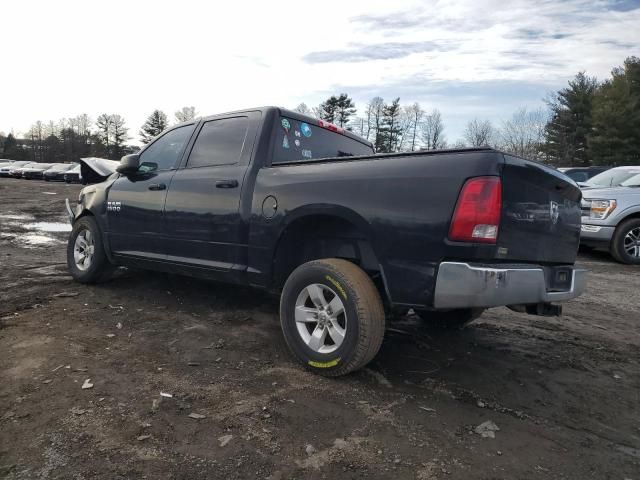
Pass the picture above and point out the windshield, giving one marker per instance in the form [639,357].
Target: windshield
[617,178]
[632,181]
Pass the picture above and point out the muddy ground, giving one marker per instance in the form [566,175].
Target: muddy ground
[564,392]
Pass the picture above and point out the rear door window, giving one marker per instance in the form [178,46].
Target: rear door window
[298,141]
[220,142]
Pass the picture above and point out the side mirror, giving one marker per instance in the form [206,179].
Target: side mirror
[129,164]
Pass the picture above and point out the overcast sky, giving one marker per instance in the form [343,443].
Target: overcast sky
[471,58]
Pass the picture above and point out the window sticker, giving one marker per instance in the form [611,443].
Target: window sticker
[297,142]
[286,125]
[285,142]
[306,154]
[297,133]
[305,129]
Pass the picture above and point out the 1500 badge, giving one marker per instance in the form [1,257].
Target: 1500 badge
[113,206]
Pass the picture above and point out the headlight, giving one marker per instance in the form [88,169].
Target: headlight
[601,209]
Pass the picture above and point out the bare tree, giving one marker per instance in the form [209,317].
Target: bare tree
[303,109]
[479,133]
[412,118]
[185,114]
[523,134]
[357,126]
[432,131]
[36,136]
[373,119]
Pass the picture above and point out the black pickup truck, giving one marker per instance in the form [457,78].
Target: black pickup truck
[280,201]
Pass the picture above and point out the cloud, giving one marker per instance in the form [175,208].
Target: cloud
[380,51]
[388,22]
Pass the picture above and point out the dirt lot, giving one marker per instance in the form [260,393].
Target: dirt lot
[564,392]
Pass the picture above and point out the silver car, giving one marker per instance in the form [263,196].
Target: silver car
[611,213]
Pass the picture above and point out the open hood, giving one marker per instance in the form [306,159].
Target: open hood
[96,170]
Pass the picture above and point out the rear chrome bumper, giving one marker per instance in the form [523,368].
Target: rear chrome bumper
[461,285]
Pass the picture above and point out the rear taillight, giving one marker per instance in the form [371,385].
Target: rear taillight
[477,214]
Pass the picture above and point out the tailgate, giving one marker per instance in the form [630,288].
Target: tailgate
[540,214]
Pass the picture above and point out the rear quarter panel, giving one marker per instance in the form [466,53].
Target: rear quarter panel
[403,203]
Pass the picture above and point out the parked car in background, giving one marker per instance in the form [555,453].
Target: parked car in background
[16,170]
[5,170]
[611,213]
[35,171]
[72,175]
[582,174]
[56,172]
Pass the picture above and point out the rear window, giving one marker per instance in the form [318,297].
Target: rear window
[298,141]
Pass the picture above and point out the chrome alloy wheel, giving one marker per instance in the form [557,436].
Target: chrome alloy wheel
[632,242]
[321,318]
[83,250]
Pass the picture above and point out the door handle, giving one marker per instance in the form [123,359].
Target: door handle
[226,183]
[157,186]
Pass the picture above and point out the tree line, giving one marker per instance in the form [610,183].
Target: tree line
[586,123]
[70,139]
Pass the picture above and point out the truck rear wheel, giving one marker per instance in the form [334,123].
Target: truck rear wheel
[625,244]
[451,319]
[332,316]
[86,258]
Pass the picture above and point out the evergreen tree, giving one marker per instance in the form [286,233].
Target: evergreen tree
[391,128]
[12,150]
[118,135]
[345,109]
[328,109]
[615,139]
[570,122]
[154,126]
[104,124]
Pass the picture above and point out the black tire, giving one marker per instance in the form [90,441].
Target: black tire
[364,316]
[99,268]
[617,242]
[450,319]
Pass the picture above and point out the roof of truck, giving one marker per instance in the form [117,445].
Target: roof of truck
[297,116]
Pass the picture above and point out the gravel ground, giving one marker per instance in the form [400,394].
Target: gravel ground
[562,394]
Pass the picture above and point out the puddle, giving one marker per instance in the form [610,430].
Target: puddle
[48,226]
[33,239]
[22,230]
[15,216]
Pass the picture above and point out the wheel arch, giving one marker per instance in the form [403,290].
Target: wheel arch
[325,231]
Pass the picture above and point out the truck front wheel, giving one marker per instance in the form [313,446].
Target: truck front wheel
[332,316]
[86,258]
[625,244]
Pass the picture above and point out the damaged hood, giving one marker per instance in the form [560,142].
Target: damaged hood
[96,170]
